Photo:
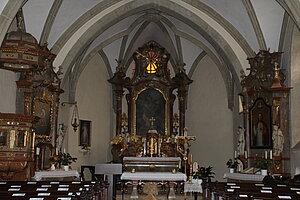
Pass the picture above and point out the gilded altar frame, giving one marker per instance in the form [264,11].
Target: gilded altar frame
[45,103]
[166,98]
[151,72]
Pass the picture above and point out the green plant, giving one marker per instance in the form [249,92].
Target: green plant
[204,173]
[65,159]
[261,162]
[232,164]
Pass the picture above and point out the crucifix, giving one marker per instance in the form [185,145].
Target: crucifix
[152,120]
[185,141]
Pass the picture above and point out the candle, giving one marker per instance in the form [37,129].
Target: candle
[235,154]
[64,150]
[38,151]
[271,154]
[266,154]
[246,154]
[56,151]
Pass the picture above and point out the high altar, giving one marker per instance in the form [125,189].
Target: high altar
[151,139]
[150,128]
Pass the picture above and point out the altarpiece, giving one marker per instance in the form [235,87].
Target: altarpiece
[265,101]
[149,122]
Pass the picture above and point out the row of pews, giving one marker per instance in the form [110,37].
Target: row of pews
[257,191]
[53,190]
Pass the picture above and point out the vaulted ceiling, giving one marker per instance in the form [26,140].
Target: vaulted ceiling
[228,31]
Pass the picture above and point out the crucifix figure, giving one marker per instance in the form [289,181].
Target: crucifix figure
[152,120]
[184,140]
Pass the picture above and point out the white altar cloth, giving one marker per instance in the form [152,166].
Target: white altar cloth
[152,158]
[55,174]
[153,176]
[195,186]
[244,177]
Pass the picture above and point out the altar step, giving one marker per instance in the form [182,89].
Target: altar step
[159,197]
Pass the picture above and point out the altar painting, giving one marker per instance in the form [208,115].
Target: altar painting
[260,125]
[150,104]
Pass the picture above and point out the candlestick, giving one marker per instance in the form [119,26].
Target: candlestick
[266,154]
[191,169]
[38,151]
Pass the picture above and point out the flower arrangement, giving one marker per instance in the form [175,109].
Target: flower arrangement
[261,162]
[65,159]
[204,173]
[232,164]
[53,160]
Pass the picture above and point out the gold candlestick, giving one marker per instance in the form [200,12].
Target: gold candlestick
[191,168]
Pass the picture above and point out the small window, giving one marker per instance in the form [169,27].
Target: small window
[151,68]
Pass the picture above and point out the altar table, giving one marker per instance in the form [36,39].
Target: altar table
[193,188]
[153,176]
[55,175]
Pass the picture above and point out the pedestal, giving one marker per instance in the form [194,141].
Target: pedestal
[109,170]
[172,192]
[134,194]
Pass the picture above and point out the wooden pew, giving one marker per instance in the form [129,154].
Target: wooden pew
[51,190]
[250,191]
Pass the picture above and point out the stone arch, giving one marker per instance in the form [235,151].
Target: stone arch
[212,36]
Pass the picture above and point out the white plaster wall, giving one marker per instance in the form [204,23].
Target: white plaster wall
[209,118]
[7,91]
[295,104]
[295,92]
[93,96]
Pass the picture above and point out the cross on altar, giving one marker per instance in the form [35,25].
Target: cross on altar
[152,120]
[185,137]
[185,140]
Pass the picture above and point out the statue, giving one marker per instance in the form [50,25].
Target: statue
[61,136]
[241,141]
[278,140]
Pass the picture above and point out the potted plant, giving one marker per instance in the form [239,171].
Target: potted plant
[232,165]
[262,163]
[65,159]
[204,173]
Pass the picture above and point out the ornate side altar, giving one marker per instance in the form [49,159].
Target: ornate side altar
[265,100]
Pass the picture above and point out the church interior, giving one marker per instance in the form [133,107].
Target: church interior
[150,99]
